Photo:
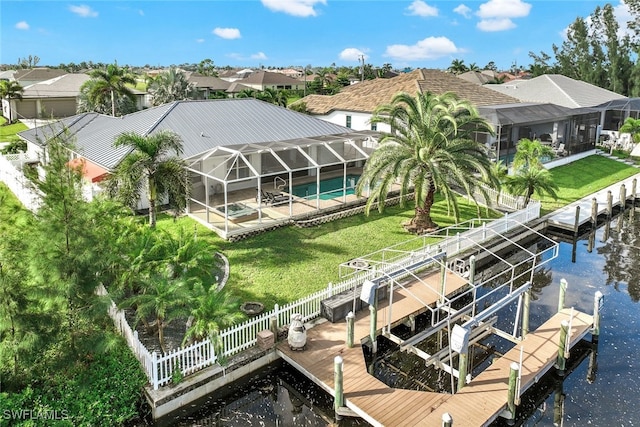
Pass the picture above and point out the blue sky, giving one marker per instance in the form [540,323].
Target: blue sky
[282,33]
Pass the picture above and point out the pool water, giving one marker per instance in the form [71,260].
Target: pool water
[329,188]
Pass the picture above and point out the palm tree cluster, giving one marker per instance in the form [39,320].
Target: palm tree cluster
[171,86]
[429,150]
[166,276]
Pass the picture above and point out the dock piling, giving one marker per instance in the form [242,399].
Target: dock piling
[561,296]
[525,313]
[373,314]
[447,420]
[623,197]
[598,301]
[576,223]
[351,319]
[511,394]
[594,212]
[337,379]
[609,204]
[273,325]
[562,348]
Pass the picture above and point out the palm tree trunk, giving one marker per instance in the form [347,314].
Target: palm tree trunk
[152,202]
[422,221]
[113,103]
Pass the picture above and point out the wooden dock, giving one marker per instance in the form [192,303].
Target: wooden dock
[565,218]
[478,404]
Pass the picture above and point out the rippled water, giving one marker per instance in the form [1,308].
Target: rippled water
[601,390]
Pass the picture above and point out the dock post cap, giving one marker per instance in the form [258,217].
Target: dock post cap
[338,359]
[447,418]
[515,366]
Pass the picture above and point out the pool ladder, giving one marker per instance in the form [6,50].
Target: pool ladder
[281,186]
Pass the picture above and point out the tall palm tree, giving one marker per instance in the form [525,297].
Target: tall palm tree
[150,162]
[430,150]
[111,82]
[10,90]
[529,153]
[171,86]
[632,126]
[533,180]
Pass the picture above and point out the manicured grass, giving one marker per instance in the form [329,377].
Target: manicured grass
[8,132]
[583,177]
[286,264]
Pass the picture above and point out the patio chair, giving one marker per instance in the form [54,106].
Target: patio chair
[277,198]
[560,151]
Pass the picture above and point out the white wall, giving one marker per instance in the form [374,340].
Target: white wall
[359,121]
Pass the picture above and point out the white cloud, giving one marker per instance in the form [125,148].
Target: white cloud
[623,15]
[429,48]
[22,25]
[84,11]
[302,8]
[504,9]
[420,8]
[493,25]
[352,54]
[463,10]
[199,40]
[259,55]
[227,33]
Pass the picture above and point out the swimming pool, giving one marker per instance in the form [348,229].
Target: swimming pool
[329,188]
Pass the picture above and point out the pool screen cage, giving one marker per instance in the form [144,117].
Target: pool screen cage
[252,175]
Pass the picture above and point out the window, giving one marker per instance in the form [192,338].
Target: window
[374,126]
[348,121]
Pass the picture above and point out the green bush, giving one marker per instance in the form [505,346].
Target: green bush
[103,390]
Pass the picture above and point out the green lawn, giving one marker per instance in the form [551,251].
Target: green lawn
[8,132]
[584,177]
[286,264]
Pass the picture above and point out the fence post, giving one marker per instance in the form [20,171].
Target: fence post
[154,370]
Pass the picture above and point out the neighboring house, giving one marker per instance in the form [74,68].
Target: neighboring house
[354,105]
[31,76]
[556,89]
[235,75]
[207,85]
[511,118]
[53,98]
[479,77]
[235,88]
[261,80]
[238,151]
[291,72]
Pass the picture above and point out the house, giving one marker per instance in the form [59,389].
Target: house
[239,152]
[261,80]
[354,105]
[27,77]
[53,98]
[208,85]
[511,118]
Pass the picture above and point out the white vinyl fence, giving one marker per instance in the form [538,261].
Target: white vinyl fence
[13,177]
[159,368]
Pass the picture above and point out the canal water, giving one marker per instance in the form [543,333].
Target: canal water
[601,388]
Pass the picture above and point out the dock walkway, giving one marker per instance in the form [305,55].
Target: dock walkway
[477,404]
[565,218]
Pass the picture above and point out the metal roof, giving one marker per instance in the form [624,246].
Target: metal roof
[202,125]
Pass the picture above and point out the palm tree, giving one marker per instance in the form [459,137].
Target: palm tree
[171,86]
[10,90]
[91,99]
[431,150]
[529,153]
[247,93]
[457,67]
[528,181]
[150,160]
[164,299]
[111,82]
[631,126]
[215,310]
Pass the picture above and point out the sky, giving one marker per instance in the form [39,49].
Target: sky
[284,33]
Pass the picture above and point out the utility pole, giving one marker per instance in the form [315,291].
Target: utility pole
[362,68]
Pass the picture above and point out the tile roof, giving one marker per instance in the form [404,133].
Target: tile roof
[556,89]
[368,95]
[269,78]
[64,86]
[202,126]
[210,82]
